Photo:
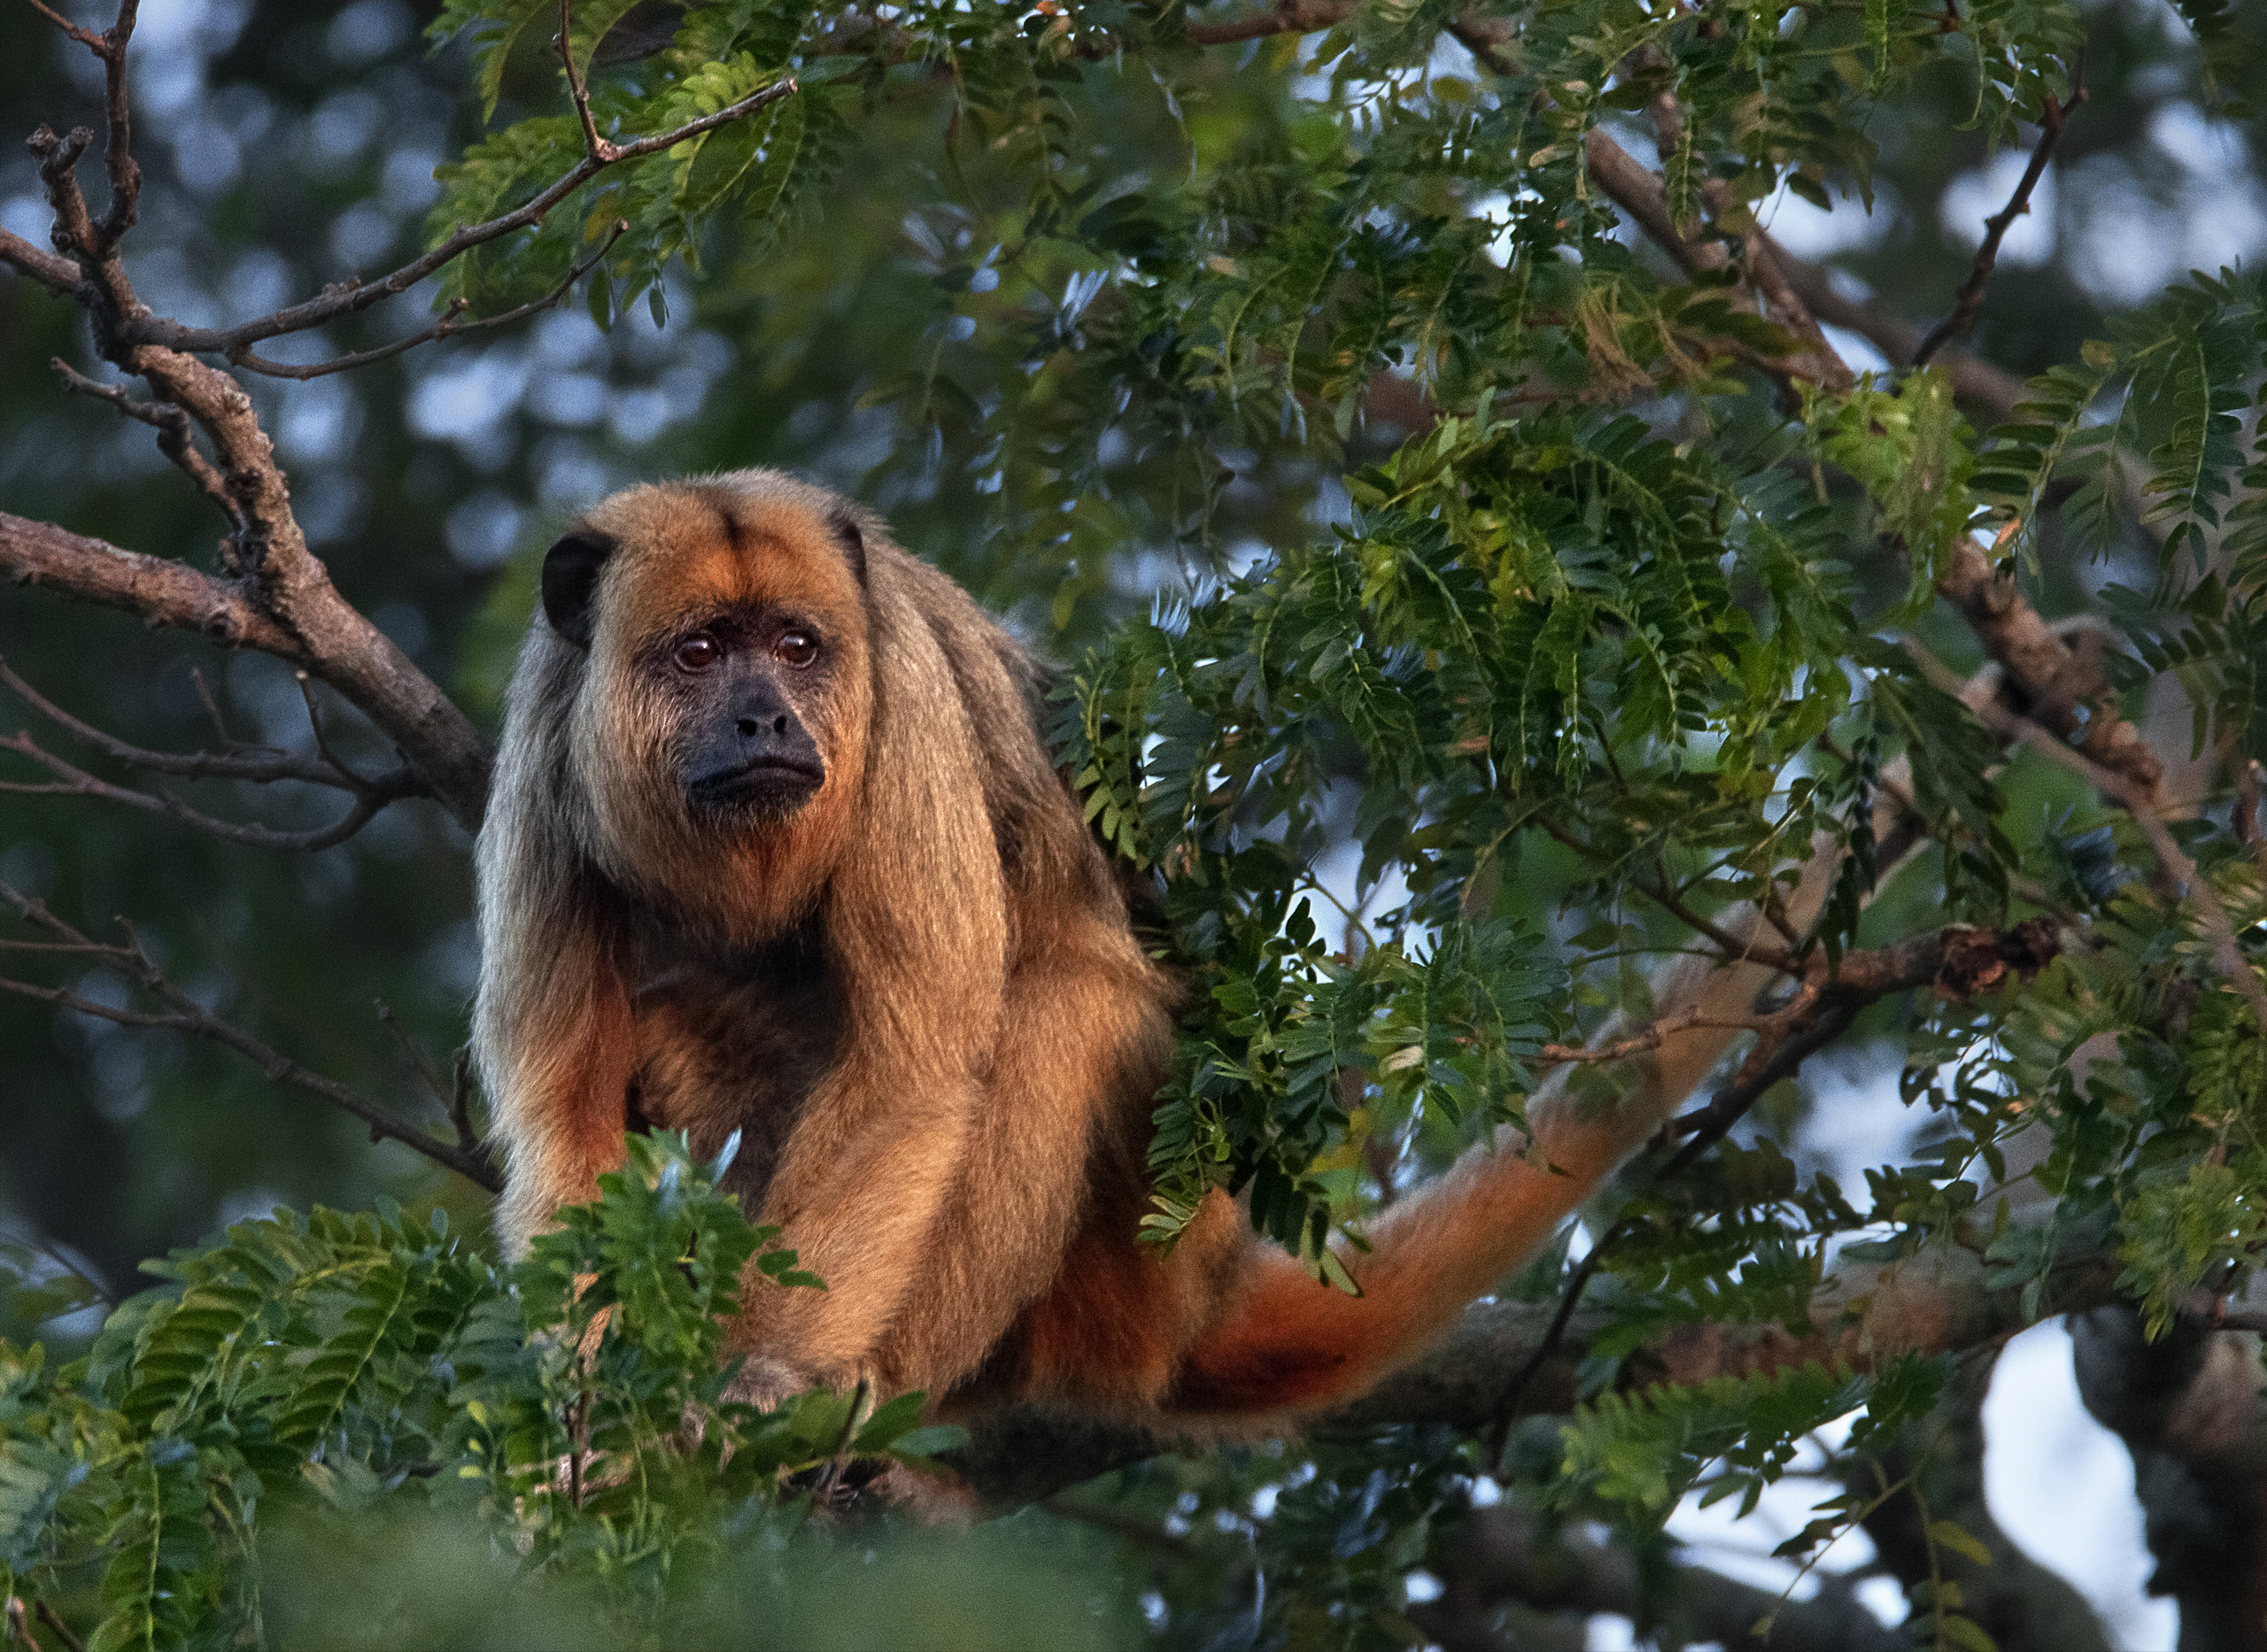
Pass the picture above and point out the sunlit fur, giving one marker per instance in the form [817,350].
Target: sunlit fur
[918,997]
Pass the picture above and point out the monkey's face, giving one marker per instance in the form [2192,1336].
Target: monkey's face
[746,685]
[720,717]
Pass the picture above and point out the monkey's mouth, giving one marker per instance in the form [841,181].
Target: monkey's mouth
[769,783]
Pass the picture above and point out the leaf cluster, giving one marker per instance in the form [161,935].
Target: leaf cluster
[569,1408]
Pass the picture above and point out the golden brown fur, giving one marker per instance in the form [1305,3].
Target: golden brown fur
[916,995]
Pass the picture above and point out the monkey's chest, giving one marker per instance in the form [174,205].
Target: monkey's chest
[720,1052]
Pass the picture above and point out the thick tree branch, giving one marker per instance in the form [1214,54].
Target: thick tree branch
[1940,1301]
[163,593]
[298,618]
[2188,1408]
[2060,686]
[131,964]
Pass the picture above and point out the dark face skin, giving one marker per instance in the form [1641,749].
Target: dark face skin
[744,682]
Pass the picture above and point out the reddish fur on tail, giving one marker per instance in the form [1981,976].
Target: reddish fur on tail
[1285,1346]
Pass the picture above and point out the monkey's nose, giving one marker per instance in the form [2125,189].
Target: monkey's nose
[750,725]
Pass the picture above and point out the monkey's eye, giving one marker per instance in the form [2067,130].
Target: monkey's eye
[795,648]
[697,653]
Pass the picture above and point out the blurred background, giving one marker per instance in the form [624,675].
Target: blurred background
[289,145]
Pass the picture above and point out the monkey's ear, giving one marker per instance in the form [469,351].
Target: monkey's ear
[570,576]
[854,542]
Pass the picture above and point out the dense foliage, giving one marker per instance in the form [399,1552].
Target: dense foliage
[1466,611]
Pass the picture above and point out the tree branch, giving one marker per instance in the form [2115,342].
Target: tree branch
[1970,298]
[1293,17]
[1940,1301]
[173,438]
[447,327]
[1989,389]
[63,1631]
[163,593]
[259,764]
[2141,802]
[184,1014]
[1933,1472]
[595,147]
[72,781]
[336,302]
[58,275]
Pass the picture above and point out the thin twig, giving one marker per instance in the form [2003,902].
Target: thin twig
[78,1268]
[1709,1124]
[595,147]
[460,1099]
[212,706]
[174,440]
[125,173]
[1118,1524]
[118,145]
[47,1616]
[1650,1038]
[87,38]
[72,781]
[349,300]
[420,1066]
[258,765]
[1732,946]
[130,962]
[829,1475]
[1970,299]
[448,327]
[1553,1337]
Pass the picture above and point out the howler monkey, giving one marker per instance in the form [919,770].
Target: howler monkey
[777,846]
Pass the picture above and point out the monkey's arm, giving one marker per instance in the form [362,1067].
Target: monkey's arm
[551,1026]
[554,1037]
[1084,1044]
